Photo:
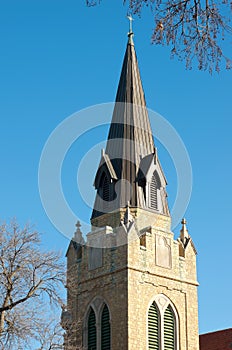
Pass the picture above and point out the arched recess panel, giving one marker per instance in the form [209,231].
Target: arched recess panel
[92,334]
[105,329]
[169,329]
[153,328]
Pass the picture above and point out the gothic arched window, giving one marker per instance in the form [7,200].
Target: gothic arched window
[105,191]
[105,329]
[154,186]
[153,328]
[162,325]
[92,333]
[169,329]
[105,188]
[97,326]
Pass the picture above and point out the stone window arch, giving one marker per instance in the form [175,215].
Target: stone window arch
[100,309]
[163,325]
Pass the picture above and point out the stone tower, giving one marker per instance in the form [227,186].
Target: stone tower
[131,285]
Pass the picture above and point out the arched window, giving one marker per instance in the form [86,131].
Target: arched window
[105,186]
[154,186]
[169,329]
[106,189]
[92,334]
[105,329]
[153,328]
[97,326]
[162,325]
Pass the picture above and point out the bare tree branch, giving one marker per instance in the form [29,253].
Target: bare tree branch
[30,280]
[195,29]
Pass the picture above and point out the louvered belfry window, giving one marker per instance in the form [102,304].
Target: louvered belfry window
[153,192]
[169,329]
[153,328]
[162,326]
[105,189]
[92,334]
[105,329]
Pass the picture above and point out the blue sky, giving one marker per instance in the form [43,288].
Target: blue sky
[59,57]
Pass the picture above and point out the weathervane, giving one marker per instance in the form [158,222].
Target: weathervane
[130,27]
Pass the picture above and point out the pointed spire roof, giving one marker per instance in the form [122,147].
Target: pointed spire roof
[130,142]
[130,108]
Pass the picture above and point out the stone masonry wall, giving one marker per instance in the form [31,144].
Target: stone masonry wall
[129,277]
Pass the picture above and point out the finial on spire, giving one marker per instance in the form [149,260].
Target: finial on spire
[130,34]
[130,25]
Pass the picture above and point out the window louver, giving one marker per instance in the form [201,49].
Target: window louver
[105,191]
[169,329]
[153,192]
[92,336]
[105,329]
[153,328]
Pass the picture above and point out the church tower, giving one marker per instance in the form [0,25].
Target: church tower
[131,285]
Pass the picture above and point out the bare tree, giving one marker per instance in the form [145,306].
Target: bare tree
[30,281]
[195,29]
[50,335]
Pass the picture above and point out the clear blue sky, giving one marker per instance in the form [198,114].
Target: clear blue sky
[59,57]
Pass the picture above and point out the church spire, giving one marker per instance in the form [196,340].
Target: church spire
[129,164]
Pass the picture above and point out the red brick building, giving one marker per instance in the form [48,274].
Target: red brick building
[220,340]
